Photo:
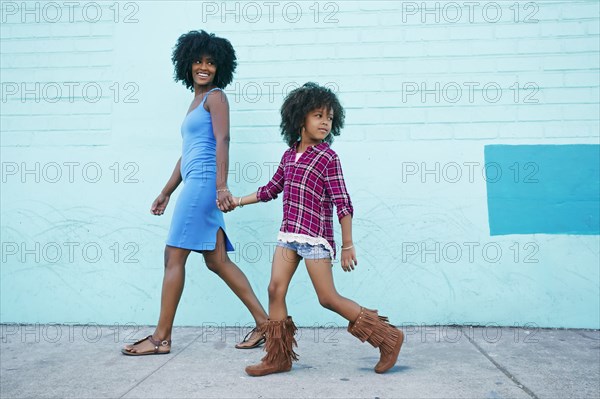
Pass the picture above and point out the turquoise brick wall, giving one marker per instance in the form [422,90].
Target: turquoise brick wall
[90,133]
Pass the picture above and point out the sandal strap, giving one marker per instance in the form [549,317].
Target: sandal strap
[248,335]
[141,340]
[157,344]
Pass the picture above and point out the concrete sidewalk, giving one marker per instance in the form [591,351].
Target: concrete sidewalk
[62,361]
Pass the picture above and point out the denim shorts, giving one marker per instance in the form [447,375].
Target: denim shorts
[307,251]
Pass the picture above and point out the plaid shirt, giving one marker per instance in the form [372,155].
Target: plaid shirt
[311,186]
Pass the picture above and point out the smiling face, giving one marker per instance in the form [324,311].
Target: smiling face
[317,125]
[204,70]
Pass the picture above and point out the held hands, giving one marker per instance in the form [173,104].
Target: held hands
[225,201]
[348,258]
[159,205]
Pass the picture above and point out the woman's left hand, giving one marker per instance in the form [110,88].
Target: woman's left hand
[349,259]
[225,201]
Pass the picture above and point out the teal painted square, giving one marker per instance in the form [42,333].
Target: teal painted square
[551,189]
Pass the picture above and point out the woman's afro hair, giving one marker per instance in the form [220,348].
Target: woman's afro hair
[299,102]
[192,46]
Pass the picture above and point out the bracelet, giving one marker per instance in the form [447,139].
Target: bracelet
[222,189]
[351,246]
[240,203]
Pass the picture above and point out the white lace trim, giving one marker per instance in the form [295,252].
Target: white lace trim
[305,239]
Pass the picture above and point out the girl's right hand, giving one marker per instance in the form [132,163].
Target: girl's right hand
[159,205]
[349,259]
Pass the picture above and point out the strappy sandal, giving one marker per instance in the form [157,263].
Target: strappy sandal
[254,344]
[155,351]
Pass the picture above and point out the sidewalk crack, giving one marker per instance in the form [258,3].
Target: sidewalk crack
[160,367]
[503,370]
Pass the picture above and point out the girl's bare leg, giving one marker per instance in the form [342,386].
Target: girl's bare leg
[389,339]
[321,275]
[285,263]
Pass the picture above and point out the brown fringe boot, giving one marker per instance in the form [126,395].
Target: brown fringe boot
[376,330]
[280,340]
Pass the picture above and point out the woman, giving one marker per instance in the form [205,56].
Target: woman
[205,64]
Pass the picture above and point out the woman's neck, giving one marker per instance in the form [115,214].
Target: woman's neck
[202,90]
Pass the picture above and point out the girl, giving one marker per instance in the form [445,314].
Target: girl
[205,64]
[310,176]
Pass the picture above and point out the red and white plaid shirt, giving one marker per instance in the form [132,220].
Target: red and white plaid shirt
[311,186]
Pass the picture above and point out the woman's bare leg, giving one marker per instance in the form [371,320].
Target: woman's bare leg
[172,287]
[218,262]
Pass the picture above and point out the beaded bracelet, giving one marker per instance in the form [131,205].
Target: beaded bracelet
[222,189]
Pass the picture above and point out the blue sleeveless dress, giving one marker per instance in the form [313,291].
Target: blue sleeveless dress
[197,219]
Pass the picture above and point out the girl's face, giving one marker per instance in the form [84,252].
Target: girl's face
[204,70]
[317,125]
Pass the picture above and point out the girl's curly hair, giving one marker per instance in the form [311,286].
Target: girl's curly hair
[299,102]
[192,46]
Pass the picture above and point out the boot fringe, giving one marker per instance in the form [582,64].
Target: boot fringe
[377,331]
[291,329]
[387,345]
[374,329]
[280,341]
[366,327]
